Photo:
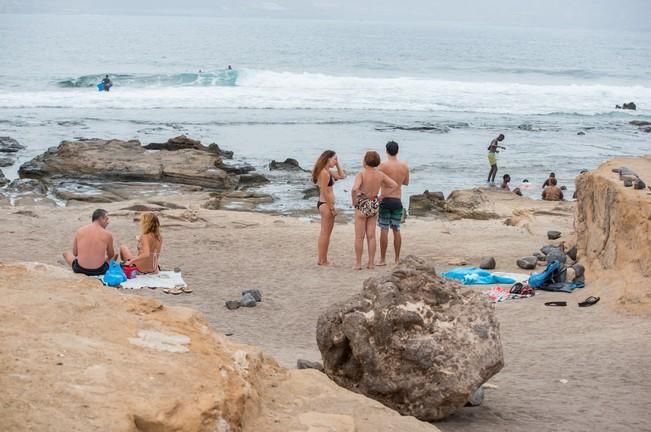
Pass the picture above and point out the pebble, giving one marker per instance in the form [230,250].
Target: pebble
[553,235]
[232,304]
[487,263]
[255,293]
[248,300]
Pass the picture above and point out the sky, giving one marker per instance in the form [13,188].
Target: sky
[604,14]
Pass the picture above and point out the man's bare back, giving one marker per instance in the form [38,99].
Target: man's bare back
[93,245]
[398,171]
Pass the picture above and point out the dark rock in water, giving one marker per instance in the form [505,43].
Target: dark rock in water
[646,129]
[182,142]
[237,169]
[415,342]
[257,295]
[252,179]
[247,300]
[311,192]
[628,183]
[629,106]
[640,123]
[477,398]
[583,171]
[288,165]
[639,184]
[553,235]
[3,180]
[232,304]
[580,133]
[487,263]
[526,127]
[572,253]
[6,161]
[306,364]
[10,145]
[527,263]
[563,188]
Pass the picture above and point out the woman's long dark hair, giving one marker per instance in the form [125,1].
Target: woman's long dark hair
[321,163]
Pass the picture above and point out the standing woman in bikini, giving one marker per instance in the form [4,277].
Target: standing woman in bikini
[324,178]
[367,205]
[150,243]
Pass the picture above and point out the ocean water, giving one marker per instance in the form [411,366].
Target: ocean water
[442,91]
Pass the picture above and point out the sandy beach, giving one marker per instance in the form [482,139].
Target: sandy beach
[566,368]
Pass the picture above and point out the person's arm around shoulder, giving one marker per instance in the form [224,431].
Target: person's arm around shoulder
[389,182]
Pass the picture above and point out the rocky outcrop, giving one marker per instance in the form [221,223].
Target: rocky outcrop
[427,204]
[8,149]
[613,225]
[288,165]
[128,161]
[460,204]
[182,142]
[627,106]
[416,342]
[3,180]
[77,356]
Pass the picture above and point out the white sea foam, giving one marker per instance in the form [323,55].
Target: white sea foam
[284,90]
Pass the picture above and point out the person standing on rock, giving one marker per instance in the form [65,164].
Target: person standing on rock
[324,178]
[391,208]
[492,158]
[92,247]
[365,196]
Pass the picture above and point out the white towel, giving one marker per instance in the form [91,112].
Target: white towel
[163,279]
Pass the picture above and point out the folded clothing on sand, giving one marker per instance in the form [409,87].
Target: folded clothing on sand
[163,279]
[477,276]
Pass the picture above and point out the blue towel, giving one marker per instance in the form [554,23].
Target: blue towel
[476,276]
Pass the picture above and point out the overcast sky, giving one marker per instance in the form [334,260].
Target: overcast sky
[607,14]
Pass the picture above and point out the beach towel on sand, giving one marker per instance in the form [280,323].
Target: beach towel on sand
[163,279]
[477,276]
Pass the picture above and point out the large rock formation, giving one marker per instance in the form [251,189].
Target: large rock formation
[77,356]
[415,342]
[116,160]
[182,142]
[613,225]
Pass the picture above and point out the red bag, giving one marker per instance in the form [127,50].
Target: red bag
[130,270]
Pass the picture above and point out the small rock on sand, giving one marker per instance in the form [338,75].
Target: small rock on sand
[232,304]
[553,235]
[527,263]
[248,300]
[255,293]
[306,364]
[487,263]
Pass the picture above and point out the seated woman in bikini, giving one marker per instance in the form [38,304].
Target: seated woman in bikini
[367,205]
[150,243]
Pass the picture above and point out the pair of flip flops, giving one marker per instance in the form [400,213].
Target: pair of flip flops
[178,290]
[585,303]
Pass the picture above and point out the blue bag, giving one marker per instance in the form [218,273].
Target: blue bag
[538,280]
[114,276]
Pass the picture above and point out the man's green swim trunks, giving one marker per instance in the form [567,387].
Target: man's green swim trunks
[492,158]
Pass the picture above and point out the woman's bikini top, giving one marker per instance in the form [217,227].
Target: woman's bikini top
[331,181]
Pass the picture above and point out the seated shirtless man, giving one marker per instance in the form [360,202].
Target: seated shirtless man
[92,247]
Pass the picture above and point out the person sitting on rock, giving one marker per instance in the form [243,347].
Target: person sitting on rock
[92,247]
[552,192]
[506,179]
[547,182]
[150,243]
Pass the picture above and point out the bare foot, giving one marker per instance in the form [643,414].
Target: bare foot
[357,267]
[326,264]
[370,266]
[381,264]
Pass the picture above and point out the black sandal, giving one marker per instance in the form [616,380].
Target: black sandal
[556,303]
[589,301]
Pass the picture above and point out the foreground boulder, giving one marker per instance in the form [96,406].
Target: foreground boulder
[77,356]
[128,161]
[418,343]
[613,225]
